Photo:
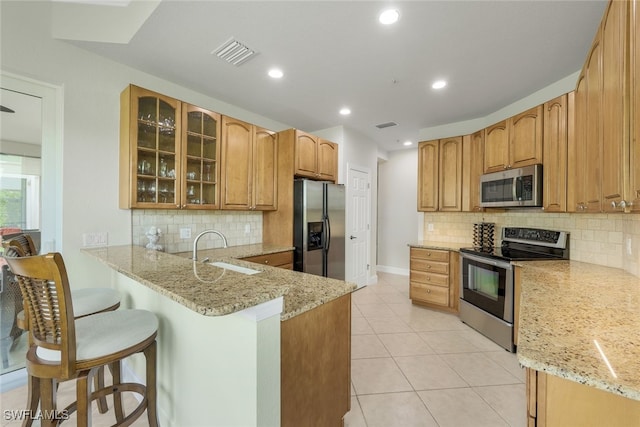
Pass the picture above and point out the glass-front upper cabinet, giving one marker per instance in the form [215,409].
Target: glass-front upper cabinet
[201,148]
[150,150]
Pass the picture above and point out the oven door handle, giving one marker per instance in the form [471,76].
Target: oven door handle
[486,260]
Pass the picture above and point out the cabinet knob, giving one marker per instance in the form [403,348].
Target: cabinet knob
[428,266]
[543,208]
[428,253]
[266,261]
[428,291]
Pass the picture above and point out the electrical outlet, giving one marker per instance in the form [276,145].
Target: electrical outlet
[185,233]
[95,239]
[629,249]
[247,229]
[429,227]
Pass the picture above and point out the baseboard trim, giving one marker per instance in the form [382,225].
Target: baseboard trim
[393,270]
[13,379]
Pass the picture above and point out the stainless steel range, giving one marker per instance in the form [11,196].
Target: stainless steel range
[487,278]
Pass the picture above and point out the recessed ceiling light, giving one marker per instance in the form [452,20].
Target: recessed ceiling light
[389,16]
[407,143]
[345,111]
[276,73]
[439,84]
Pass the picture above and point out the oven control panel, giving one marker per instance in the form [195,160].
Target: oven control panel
[535,236]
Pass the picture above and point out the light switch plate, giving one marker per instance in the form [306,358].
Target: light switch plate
[185,233]
[95,239]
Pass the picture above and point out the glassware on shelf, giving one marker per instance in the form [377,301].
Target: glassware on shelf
[163,167]
[207,172]
[191,191]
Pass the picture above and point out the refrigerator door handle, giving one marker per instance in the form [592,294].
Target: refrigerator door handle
[327,233]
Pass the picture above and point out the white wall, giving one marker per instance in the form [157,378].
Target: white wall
[90,139]
[355,149]
[399,219]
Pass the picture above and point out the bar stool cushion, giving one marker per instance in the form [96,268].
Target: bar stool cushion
[93,300]
[103,334]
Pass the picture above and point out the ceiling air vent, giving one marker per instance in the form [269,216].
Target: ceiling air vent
[386,125]
[234,52]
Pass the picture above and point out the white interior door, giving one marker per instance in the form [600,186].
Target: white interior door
[358,213]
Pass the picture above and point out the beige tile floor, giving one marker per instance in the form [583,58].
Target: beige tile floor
[411,366]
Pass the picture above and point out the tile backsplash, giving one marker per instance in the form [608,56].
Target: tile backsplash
[240,228]
[612,240]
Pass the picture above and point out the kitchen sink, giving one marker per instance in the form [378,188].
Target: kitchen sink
[236,268]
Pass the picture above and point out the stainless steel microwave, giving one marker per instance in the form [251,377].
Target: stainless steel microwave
[519,187]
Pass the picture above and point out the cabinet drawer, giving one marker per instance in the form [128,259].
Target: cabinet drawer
[275,260]
[429,278]
[431,294]
[429,266]
[430,254]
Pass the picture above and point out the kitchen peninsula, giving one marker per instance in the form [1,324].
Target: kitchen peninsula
[579,338]
[235,349]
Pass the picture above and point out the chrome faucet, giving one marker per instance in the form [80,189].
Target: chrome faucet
[195,242]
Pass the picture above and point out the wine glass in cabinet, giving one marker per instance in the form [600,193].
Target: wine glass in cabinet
[150,149]
[201,146]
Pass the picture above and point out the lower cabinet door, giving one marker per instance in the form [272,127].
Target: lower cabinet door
[431,294]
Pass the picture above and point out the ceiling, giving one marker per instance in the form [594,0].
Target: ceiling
[336,54]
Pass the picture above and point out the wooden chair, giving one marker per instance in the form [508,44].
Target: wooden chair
[85,303]
[63,348]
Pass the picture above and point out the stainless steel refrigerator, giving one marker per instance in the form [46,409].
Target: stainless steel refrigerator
[319,228]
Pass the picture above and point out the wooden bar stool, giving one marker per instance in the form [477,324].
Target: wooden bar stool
[85,303]
[63,348]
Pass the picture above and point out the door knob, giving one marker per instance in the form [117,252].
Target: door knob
[352,237]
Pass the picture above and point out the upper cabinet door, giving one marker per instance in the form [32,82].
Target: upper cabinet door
[237,161]
[615,153]
[525,138]
[634,195]
[306,155]
[450,188]
[593,135]
[201,159]
[265,170]
[555,155]
[496,147]
[327,160]
[472,169]
[150,166]
[428,173]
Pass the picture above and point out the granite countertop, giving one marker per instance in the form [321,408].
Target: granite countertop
[581,322]
[445,246]
[214,291]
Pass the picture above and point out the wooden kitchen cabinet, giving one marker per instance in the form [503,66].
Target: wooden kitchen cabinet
[249,157]
[602,149]
[514,142]
[201,166]
[615,152]
[576,195]
[472,169]
[634,63]
[279,259]
[557,402]
[433,278]
[555,154]
[428,175]
[440,175]
[316,365]
[450,176]
[151,170]
[169,153]
[315,158]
